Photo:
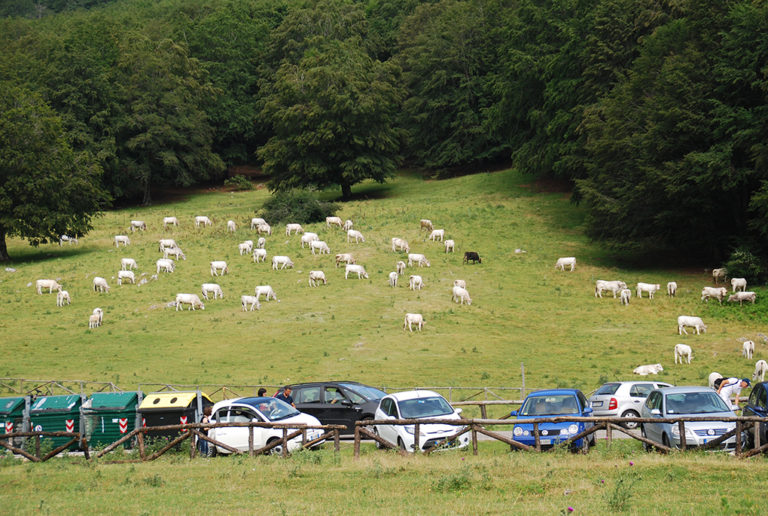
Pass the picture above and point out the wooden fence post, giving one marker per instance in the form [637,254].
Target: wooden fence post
[336,439]
[416,440]
[536,436]
[681,429]
[738,438]
[608,435]
[357,442]
[474,440]
[140,439]
[37,445]
[285,443]
[250,441]
[757,434]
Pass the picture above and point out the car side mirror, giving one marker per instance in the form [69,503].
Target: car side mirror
[588,411]
[346,403]
[656,412]
[513,413]
[459,411]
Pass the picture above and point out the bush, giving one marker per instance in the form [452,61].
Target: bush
[300,206]
[238,183]
[744,264]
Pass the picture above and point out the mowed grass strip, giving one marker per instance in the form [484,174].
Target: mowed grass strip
[523,311]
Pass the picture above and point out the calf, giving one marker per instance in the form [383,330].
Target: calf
[625,295]
[672,289]
[355,269]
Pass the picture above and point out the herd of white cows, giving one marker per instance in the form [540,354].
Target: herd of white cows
[682,352]
[172,253]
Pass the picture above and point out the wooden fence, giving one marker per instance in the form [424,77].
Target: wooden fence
[609,424]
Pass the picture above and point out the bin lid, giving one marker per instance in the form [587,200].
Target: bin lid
[67,403]
[10,405]
[171,400]
[102,401]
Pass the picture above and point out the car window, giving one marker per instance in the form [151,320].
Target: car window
[640,390]
[366,391]
[695,403]
[355,397]
[653,401]
[388,407]
[550,405]
[607,389]
[307,395]
[757,397]
[582,400]
[221,415]
[427,407]
[333,395]
[240,415]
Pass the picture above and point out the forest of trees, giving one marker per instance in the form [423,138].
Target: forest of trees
[655,111]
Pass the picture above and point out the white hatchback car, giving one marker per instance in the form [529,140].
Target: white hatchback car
[623,399]
[261,409]
[419,405]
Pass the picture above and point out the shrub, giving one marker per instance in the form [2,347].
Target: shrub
[238,183]
[297,206]
[744,264]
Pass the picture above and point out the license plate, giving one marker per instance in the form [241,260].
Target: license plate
[545,441]
[597,403]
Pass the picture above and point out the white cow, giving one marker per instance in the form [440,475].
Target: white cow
[718,293]
[250,301]
[694,322]
[50,284]
[266,291]
[682,351]
[293,228]
[138,225]
[461,295]
[164,264]
[651,288]
[742,296]
[353,233]
[672,288]
[193,300]
[426,224]
[281,262]
[320,246]
[400,267]
[261,243]
[264,228]
[315,277]
[93,321]
[166,243]
[62,296]
[712,377]
[415,282]
[259,255]
[748,348]
[308,237]
[761,367]
[176,252]
[219,266]
[202,220]
[257,221]
[231,226]
[345,258]
[355,269]
[437,234]
[420,259]
[347,225]
[98,312]
[336,221]
[245,247]
[719,274]
[128,264]
[645,370]
[411,319]
[611,286]
[460,283]
[173,221]
[625,295]
[739,284]
[393,279]
[125,276]
[122,239]
[212,288]
[100,285]
[450,245]
[399,244]
[567,261]
[68,239]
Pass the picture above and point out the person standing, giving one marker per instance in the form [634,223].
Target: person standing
[730,388]
[202,444]
[285,395]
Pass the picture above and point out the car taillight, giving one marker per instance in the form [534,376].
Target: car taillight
[613,404]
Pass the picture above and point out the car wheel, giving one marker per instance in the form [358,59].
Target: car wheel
[665,441]
[213,450]
[630,425]
[277,450]
[368,427]
[647,447]
[378,444]
[401,444]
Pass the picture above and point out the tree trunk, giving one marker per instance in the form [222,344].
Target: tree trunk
[3,248]
[147,197]
[346,192]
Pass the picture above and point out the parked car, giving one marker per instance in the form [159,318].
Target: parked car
[623,399]
[262,409]
[671,402]
[554,403]
[757,405]
[337,403]
[418,405]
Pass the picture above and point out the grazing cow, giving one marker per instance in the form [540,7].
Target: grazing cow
[719,274]
[257,221]
[748,348]
[319,246]
[694,322]
[266,291]
[251,301]
[450,246]
[355,269]
[347,225]
[259,255]
[139,225]
[245,247]
[122,239]
[400,267]
[713,376]
[164,264]
[212,288]
[62,296]
[672,288]
[264,228]
[219,267]
[293,229]
[651,288]
[315,277]
[166,243]
[336,221]
[188,299]
[612,286]
[472,255]
[261,243]
[68,239]
[353,233]
[231,226]
[625,295]
[682,351]
[281,262]
[420,260]
[308,238]
[426,224]
[415,282]
[125,276]
[739,284]
[645,370]
[393,279]
[568,261]
[437,235]
[761,367]
[128,264]
[399,244]
[718,293]
[173,221]
[416,319]
[345,258]
[202,220]
[742,296]
[461,295]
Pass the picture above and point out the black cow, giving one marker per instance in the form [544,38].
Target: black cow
[472,255]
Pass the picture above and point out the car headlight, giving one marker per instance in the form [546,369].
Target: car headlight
[573,429]
[675,430]
[410,429]
[517,432]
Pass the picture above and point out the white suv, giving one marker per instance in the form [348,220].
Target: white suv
[622,399]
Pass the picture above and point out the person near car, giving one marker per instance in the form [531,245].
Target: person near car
[262,392]
[285,395]
[732,388]
[202,444]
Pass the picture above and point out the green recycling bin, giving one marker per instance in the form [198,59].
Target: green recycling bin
[109,416]
[12,417]
[57,414]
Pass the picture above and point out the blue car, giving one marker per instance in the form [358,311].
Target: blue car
[550,404]
[757,406]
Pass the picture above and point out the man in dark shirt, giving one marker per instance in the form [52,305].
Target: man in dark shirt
[285,395]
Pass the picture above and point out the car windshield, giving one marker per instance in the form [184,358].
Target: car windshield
[607,389]
[273,409]
[425,407]
[694,403]
[368,393]
[550,405]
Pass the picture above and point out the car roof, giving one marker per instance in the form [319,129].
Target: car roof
[413,395]
[333,382]
[685,388]
[252,401]
[554,392]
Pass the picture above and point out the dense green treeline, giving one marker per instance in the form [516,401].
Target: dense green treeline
[654,110]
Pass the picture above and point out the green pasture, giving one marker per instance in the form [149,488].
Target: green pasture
[523,311]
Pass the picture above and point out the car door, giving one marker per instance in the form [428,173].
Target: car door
[653,430]
[238,436]
[307,400]
[638,393]
[388,432]
[337,407]
[756,406]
